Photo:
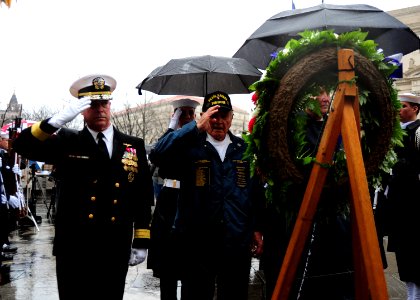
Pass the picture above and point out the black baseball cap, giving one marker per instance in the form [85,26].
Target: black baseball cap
[217,98]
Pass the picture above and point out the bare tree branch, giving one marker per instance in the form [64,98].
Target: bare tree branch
[142,120]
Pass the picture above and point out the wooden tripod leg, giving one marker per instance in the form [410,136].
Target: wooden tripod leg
[361,289]
[365,224]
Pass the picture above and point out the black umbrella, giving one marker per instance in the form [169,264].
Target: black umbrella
[391,35]
[199,75]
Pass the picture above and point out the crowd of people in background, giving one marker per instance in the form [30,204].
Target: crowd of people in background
[11,205]
[210,215]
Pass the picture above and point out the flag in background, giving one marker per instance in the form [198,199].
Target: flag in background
[293,5]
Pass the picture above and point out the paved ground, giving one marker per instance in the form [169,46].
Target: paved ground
[31,273]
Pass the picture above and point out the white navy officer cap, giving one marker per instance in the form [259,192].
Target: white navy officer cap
[95,86]
[408,97]
[185,102]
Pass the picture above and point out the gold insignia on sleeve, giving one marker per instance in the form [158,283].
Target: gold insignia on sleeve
[38,133]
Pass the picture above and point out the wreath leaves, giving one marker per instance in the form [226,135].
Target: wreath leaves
[258,149]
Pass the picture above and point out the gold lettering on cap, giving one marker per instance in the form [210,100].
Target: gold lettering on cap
[218,96]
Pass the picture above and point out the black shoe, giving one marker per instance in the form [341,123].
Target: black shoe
[9,248]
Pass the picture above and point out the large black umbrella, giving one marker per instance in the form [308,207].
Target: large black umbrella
[199,75]
[389,33]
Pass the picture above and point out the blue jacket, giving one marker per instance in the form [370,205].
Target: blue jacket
[217,199]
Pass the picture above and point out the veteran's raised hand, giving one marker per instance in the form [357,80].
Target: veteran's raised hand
[173,124]
[203,124]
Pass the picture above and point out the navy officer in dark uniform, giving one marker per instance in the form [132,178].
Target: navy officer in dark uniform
[105,193]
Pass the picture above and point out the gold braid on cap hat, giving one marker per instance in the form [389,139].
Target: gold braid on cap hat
[97,91]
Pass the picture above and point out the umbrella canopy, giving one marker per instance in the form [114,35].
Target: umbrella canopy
[200,75]
[391,35]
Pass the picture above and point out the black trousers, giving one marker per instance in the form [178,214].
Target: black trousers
[4,224]
[225,274]
[90,277]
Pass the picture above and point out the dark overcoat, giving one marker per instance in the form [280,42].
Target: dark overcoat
[404,204]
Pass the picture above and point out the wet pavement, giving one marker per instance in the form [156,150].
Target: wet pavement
[31,272]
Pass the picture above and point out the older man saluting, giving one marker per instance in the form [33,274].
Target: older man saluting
[218,217]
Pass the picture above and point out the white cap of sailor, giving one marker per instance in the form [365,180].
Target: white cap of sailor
[185,102]
[95,86]
[409,97]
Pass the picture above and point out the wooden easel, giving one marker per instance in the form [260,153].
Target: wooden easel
[343,118]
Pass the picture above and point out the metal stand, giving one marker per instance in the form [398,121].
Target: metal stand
[344,118]
[32,202]
[32,199]
[51,207]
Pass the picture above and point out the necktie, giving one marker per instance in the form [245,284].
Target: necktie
[102,146]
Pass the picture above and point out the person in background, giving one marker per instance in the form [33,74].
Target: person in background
[218,219]
[164,251]
[403,198]
[325,269]
[9,204]
[103,209]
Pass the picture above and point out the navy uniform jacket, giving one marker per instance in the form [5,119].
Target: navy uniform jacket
[99,201]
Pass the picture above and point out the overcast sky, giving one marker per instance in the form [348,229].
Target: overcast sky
[48,44]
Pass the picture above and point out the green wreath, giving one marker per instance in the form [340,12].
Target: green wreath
[276,131]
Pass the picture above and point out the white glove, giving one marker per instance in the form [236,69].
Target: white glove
[137,256]
[17,170]
[173,124]
[70,112]
[14,202]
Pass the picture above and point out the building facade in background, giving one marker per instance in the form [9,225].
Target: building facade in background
[12,110]
[410,83]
